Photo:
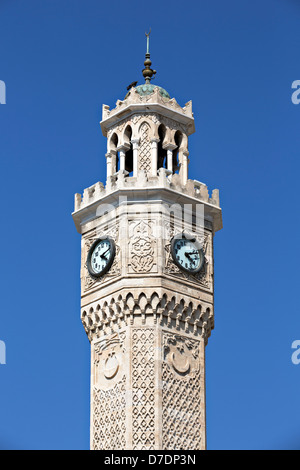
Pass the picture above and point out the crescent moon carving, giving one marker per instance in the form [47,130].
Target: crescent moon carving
[111,367]
[180,367]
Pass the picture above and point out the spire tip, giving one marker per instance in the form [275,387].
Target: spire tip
[147,71]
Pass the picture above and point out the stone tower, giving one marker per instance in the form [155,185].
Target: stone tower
[147,277]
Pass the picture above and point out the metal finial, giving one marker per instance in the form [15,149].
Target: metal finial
[147,71]
[148,40]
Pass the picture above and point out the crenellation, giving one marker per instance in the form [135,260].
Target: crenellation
[77,202]
[215,198]
[105,111]
[164,179]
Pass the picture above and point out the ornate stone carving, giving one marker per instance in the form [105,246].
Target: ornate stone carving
[181,353]
[88,281]
[141,246]
[173,311]
[155,118]
[174,125]
[143,389]
[136,118]
[109,417]
[182,423]
[145,148]
[108,359]
[109,393]
[134,97]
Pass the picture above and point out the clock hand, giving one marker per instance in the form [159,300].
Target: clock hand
[103,254]
[192,261]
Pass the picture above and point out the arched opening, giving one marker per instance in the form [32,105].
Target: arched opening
[161,153]
[176,160]
[113,150]
[129,152]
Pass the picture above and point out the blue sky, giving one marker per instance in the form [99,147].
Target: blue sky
[236,60]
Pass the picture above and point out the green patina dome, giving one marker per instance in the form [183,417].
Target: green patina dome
[147,89]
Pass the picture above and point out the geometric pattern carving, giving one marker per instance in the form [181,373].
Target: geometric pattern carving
[109,417]
[181,394]
[181,397]
[143,396]
[145,149]
[112,313]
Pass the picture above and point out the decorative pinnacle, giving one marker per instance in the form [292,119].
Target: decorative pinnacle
[147,71]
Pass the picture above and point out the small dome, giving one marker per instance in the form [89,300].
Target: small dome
[147,89]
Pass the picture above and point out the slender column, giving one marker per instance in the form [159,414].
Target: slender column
[122,149]
[113,161]
[170,160]
[122,158]
[135,147]
[108,165]
[185,162]
[170,147]
[154,156]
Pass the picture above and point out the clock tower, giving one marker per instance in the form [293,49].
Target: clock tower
[147,289]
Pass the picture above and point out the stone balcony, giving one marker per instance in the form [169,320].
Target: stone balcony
[163,180]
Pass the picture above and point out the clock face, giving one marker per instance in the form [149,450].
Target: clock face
[187,254]
[101,256]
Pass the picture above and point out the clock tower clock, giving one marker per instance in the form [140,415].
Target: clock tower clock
[147,265]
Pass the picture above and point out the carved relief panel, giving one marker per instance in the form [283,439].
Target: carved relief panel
[109,357]
[143,389]
[183,421]
[142,247]
[109,393]
[144,160]
[181,353]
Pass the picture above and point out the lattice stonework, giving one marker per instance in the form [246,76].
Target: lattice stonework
[143,389]
[181,394]
[109,415]
[145,149]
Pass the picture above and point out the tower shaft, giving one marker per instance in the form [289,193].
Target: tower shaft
[147,292]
